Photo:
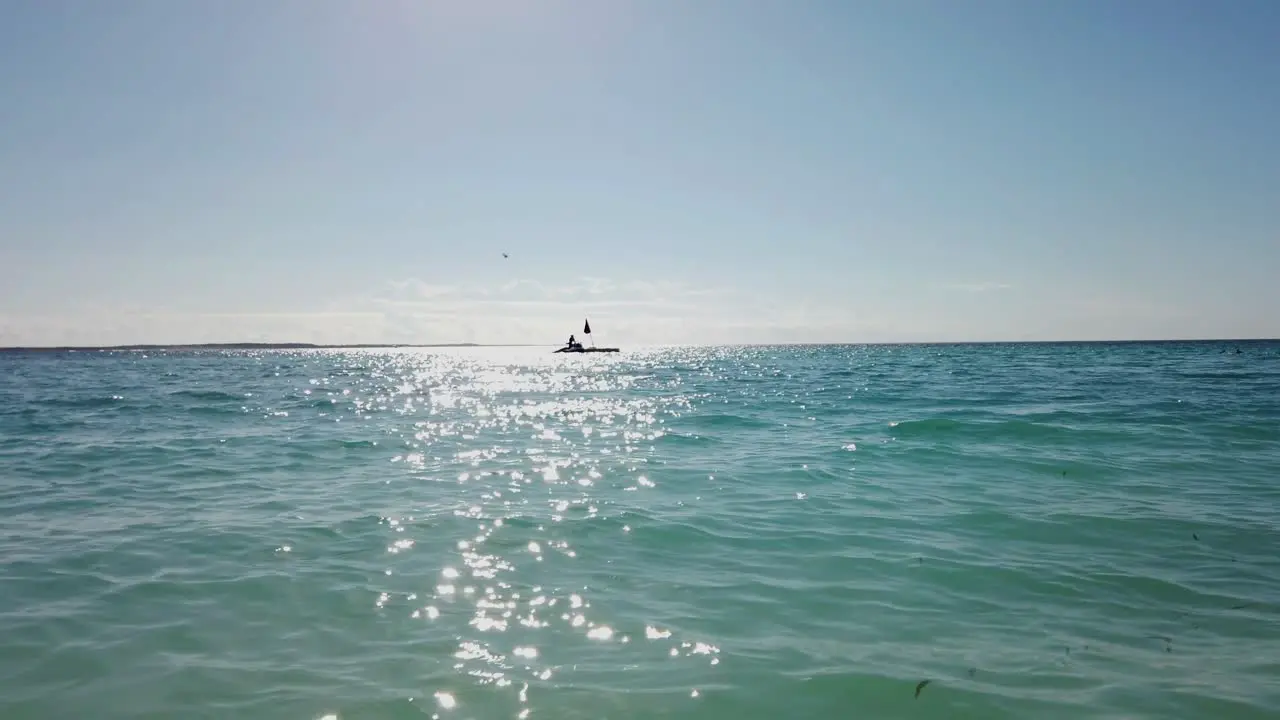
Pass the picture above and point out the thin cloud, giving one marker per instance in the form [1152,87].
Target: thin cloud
[419,289]
[587,292]
[979,287]
[416,311]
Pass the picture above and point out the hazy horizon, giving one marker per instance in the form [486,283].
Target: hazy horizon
[679,173]
[444,346]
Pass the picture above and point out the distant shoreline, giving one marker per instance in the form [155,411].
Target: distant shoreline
[238,346]
[160,347]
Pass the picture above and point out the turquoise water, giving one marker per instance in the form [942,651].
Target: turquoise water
[1042,531]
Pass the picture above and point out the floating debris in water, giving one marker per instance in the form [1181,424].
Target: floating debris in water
[920,686]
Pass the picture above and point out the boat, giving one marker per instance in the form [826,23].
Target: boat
[577,347]
[580,349]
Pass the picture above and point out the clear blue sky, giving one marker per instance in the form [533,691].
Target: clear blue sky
[719,170]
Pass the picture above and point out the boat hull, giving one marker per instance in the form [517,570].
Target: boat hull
[586,350]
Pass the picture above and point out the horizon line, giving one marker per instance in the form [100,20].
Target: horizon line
[377,346]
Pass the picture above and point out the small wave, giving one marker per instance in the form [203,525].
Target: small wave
[721,421]
[917,428]
[689,439]
[1003,431]
[84,403]
[207,395]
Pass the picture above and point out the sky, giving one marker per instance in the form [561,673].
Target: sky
[719,171]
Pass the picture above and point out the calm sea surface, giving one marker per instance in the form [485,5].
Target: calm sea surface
[1040,531]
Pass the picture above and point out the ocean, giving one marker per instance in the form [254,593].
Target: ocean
[1036,530]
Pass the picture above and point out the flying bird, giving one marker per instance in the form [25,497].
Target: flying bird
[504,255]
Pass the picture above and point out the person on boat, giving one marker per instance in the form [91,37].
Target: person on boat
[573,344]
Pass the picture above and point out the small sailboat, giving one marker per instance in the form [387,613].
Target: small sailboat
[574,346]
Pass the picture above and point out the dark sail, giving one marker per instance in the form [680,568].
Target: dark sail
[586,328]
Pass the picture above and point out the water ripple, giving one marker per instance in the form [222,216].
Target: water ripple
[1039,530]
